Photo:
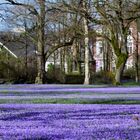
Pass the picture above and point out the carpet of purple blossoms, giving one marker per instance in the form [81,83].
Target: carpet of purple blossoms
[69,122]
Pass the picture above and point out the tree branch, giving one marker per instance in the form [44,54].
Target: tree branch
[29,7]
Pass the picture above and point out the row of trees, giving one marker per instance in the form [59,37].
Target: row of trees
[59,23]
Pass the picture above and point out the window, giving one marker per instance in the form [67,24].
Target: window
[100,49]
[130,50]
[129,44]
[129,63]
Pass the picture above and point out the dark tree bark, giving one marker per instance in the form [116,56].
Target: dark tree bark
[137,58]
[40,79]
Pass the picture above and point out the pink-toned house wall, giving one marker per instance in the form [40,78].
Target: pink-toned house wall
[132,42]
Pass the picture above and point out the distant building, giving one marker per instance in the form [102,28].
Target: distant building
[131,47]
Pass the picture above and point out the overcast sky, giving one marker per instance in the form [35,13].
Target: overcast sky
[3,24]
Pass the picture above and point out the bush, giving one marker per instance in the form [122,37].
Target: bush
[14,71]
[50,73]
[103,77]
[129,74]
[55,74]
[74,79]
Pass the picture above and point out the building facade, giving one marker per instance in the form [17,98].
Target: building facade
[133,47]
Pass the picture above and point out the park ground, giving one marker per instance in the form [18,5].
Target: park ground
[69,112]
[76,94]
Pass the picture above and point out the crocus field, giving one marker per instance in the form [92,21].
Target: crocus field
[27,113]
[69,122]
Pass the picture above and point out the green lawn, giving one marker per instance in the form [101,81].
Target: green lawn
[128,84]
[68,101]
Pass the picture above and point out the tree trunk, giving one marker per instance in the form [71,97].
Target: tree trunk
[118,74]
[137,60]
[62,59]
[120,68]
[40,45]
[86,41]
[26,51]
[79,58]
[68,61]
[120,50]
[40,79]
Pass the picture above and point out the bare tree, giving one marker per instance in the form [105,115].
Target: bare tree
[117,16]
[86,43]
[41,14]
[80,8]
[135,36]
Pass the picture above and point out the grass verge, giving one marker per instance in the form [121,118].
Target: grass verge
[67,101]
